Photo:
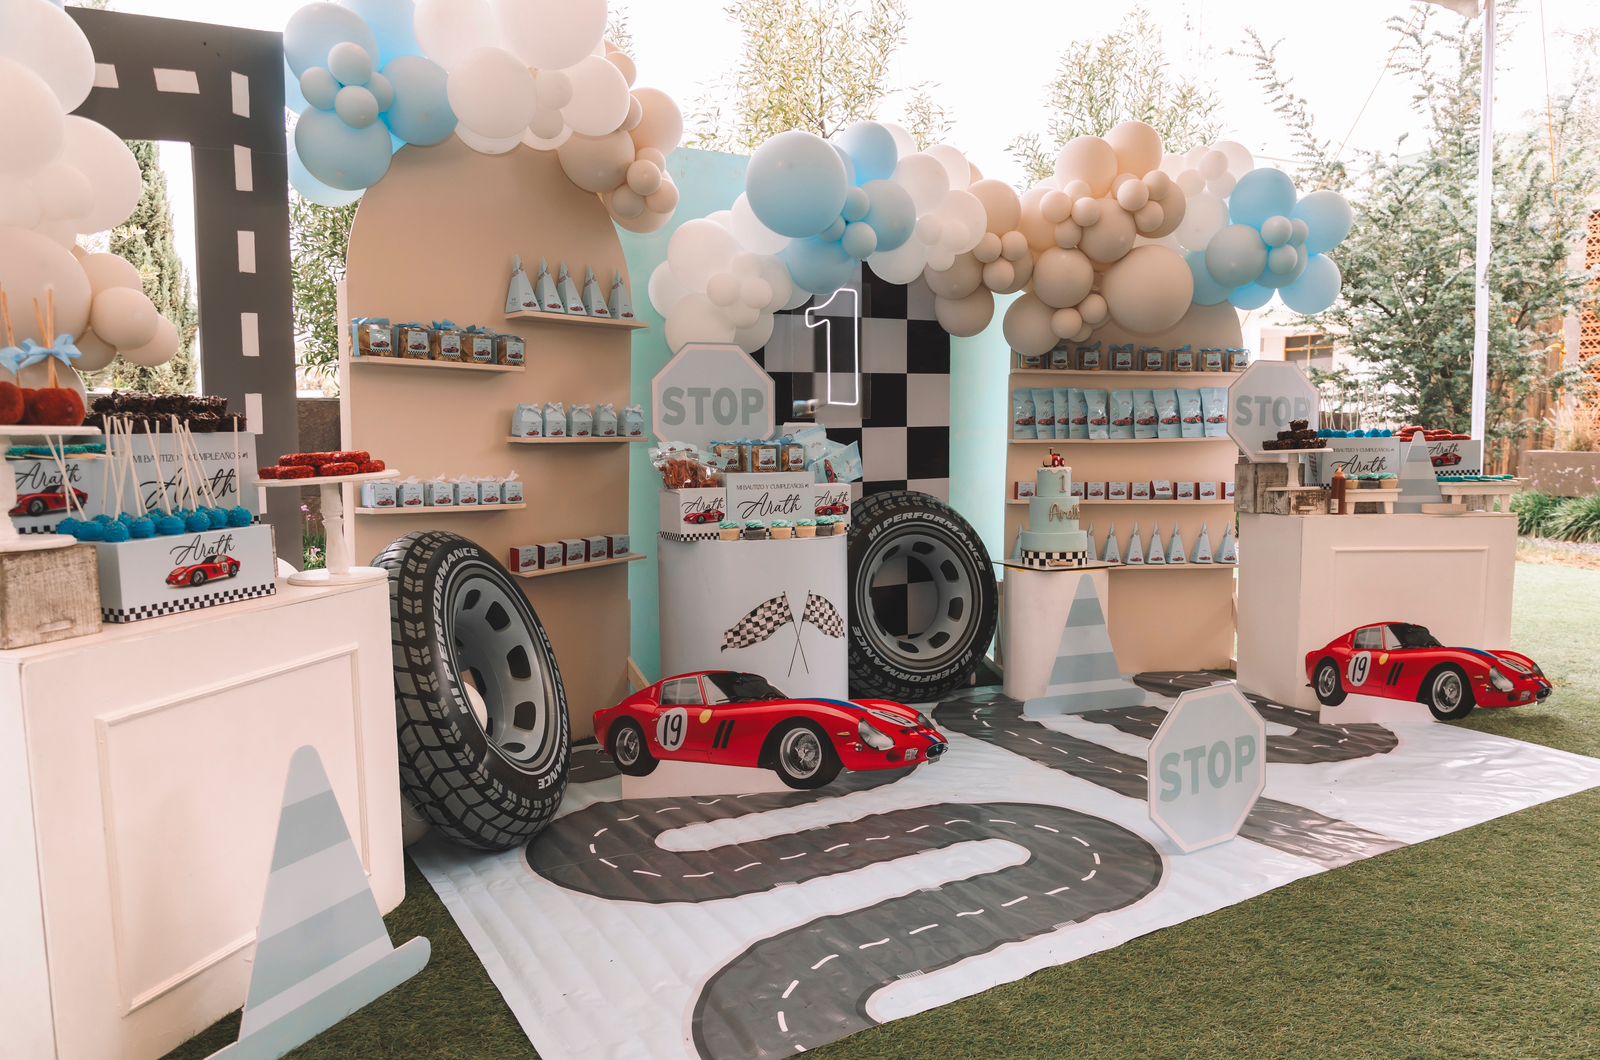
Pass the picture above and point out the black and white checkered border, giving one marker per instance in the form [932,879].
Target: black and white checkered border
[1035,558]
[122,616]
[690,538]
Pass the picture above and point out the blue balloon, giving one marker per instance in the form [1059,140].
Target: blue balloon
[293,98]
[1207,291]
[1251,296]
[1260,194]
[796,184]
[319,88]
[350,64]
[1279,280]
[872,148]
[339,156]
[421,112]
[1317,289]
[312,31]
[892,214]
[313,190]
[1328,219]
[1236,255]
[391,22]
[817,265]
[849,165]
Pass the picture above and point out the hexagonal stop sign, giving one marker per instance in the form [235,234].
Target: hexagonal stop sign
[1265,400]
[712,391]
[1207,766]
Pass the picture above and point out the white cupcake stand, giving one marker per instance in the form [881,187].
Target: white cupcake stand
[340,553]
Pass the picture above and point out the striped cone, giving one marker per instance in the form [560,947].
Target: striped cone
[1419,484]
[1085,675]
[322,951]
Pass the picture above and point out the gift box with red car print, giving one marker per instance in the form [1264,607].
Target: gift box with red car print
[160,576]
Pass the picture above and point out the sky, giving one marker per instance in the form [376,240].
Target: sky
[988,63]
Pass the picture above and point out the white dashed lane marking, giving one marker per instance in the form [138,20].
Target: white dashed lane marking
[1058,890]
[782,1024]
[824,960]
[869,945]
[1014,901]
[791,857]
[837,846]
[751,865]
[698,875]
[602,832]
[609,864]
[1089,877]
[974,912]
[925,927]
[790,989]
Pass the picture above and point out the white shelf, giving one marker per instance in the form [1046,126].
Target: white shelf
[1175,567]
[418,362]
[1145,504]
[632,557]
[577,321]
[442,509]
[1115,441]
[1102,373]
[512,439]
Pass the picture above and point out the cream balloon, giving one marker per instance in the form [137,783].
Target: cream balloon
[664,199]
[966,316]
[124,317]
[1013,246]
[1027,326]
[1094,309]
[597,163]
[1174,207]
[1066,323]
[42,37]
[1137,147]
[1133,195]
[1158,183]
[1002,209]
[988,248]
[1086,212]
[662,126]
[1149,217]
[624,202]
[1190,181]
[1000,277]
[109,270]
[113,172]
[1068,234]
[964,276]
[491,92]
[1149,290]
[1063,278]
[649,221]
[1091,160]
[600,97]
[551,34]
[1038,230]
[450,30]
[635,115]
[31,120]
[19,203]
[1112,236]
[62,192]
[624,63]
[643,177]
[161,348]
[97,352]
[1056,206]
[32,267]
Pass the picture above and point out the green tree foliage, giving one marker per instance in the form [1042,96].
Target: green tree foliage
[1409,282]
[319,237]
[817,65]
[145,239]
[1124,76]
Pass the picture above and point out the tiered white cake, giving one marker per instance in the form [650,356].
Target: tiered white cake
[1053,537]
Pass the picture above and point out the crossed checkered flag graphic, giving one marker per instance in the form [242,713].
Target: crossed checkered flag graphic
[822,614]
[760,624]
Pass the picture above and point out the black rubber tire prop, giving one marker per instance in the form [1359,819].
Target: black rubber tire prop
[914,562]
[482,714]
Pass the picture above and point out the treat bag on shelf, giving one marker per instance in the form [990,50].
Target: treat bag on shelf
[1157,552]
[594,300]
[1229,552]
[1176,553]
[1135,554]
[519,296]
[621,304]
[545,289]
[1202,547]
[1113,551]
[571,299]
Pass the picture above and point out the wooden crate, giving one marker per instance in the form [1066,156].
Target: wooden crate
[49,595]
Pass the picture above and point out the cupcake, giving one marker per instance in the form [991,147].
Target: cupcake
[806,528]
[756,530]
[827,526]
[728,531]
[781,529]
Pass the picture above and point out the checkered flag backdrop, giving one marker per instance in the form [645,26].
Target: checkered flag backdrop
[822,614]
[760,624]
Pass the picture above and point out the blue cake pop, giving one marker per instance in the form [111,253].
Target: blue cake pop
[217,517]
[103,519]
[90,531]
[68,527]
[124,518]
[141,528]
[169,526]
[115,532]
[241,517]
[195,522]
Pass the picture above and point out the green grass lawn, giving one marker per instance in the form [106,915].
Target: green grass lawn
[1484,942]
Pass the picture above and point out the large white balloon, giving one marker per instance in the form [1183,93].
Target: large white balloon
[159,350]
[698,249]
[113,172]
[487,145]
[1240,161]
[552,34]
[492,93]
[752,337]
[106,271]
[1149,290]
[924,179]
[902,264]
[751,233]
[451,30]
[1204,216]
[600,97]
[124,317]
[33,266]
[31,127]
[41,36]
[955,165]
[696,319]
[964,221]
[1027,326]
[903,140]
[665,288]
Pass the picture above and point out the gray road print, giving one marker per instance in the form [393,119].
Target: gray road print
[992,717]
[588,764]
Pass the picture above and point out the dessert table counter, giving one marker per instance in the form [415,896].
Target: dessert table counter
[141,774]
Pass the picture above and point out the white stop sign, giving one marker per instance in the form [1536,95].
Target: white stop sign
[710,392]
[1207,766]
[1265,400]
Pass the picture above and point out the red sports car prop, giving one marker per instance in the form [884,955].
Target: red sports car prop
[207,570]
[738,719]
[46,501]
[1398,660]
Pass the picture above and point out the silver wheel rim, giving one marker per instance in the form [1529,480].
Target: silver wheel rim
[800,753]
[1327,681]
[955,616]
[627,745]
[495,649]
[1447,690]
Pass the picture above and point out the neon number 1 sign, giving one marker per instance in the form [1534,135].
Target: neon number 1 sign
[815,319]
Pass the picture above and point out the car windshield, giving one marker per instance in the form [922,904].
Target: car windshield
[1409,636]
[745,688]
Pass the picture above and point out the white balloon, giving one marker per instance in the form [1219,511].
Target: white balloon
[903,140]
[545,143]
[1239,160]
[553,87]
[113,172]
[750,232]
[32,266]
[776,276]
[487,145]
[963,214]
[722,217]
[62,192]
[1204,216]
[547,124]
[492,93]
[159,350]
[451,30]
[45,39]
[752,338]
[695,319]
[552,34]
[698,249]
[902,264]
[955,165]
[924,179]
[1190,181]
[31,128]
[1222,186]
[723,288]
[755,292]
[600,97]
[1213,164]
[741,315]
[124,317]
[930,229]
[106,271]
[19,203]
[665,289]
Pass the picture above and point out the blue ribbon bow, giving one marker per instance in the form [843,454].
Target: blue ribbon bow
[63,350]
[445,325]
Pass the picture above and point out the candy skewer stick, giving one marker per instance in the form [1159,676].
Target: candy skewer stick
[195,499]
[161,477]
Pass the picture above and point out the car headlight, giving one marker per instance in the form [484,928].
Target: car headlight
[1499,680]
[872,737]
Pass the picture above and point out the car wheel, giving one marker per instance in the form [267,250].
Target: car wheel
[37,508]
[465,637]
[923,599]
[802,756]
[629,749]
[1448,694]
[197,578]
[1330,690]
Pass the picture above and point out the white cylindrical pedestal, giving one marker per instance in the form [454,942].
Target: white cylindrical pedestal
[1033,619]
[743,605]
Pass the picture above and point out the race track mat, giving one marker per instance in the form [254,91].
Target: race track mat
[765,925]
